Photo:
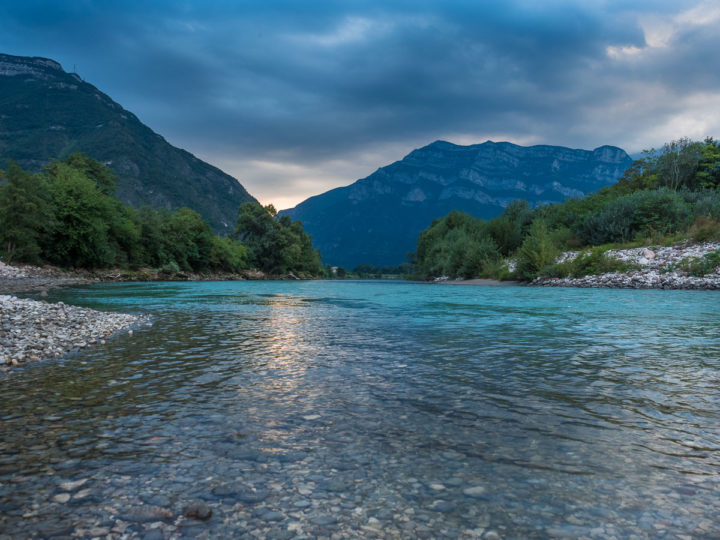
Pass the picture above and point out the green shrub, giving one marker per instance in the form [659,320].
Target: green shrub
[614,223]
[659,211]
[706,203]
[647,213]
[702,266]
[705,229]
[537,251]
[170,268]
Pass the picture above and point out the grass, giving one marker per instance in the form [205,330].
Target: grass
[702,266]
[589,262]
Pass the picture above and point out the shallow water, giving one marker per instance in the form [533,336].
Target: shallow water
[374,409]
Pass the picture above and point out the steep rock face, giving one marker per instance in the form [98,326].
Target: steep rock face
[46,113]
[377,219]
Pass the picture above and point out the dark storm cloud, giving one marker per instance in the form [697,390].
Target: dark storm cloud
[307,82]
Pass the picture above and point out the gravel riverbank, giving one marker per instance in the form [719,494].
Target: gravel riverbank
[655,268]
[32,330]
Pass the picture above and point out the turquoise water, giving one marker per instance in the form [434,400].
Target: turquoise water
[305,409]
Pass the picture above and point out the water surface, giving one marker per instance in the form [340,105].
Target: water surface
[373,409]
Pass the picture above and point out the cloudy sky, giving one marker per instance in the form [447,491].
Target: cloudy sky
[294,98]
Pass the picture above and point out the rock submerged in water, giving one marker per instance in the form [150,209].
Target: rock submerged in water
[197,510]
[474,491]
[145,513]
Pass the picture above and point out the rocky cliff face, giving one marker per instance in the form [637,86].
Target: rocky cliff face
[46,113]
[377,219]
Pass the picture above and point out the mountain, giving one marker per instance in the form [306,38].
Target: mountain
[47,113]
[377,219]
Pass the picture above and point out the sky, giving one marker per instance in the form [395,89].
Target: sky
[297,97]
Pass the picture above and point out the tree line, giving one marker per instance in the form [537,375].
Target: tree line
[670,194]
[67,215]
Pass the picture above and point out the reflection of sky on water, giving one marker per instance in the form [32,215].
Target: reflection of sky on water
[555,401]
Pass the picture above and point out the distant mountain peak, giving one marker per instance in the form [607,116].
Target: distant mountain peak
[377,219]
[36,66]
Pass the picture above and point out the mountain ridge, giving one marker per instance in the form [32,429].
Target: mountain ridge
[47,113]
[358,223]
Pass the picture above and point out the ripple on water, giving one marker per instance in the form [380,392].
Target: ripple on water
[373,408]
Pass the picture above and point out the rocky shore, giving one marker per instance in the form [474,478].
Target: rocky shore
[32,330]
[654,268]
[15,279]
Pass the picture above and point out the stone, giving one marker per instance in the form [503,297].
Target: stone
[475,491]
[251,497]
[197,510]
[323,520]
[145,513]
[73,484]
[62,497]
[83,493]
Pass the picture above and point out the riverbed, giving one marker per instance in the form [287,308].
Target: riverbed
[376,409]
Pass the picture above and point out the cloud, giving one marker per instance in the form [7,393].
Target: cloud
[297,98]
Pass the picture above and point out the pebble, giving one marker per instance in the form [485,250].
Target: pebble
[62,497]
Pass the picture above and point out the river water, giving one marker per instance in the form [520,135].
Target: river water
[376,409]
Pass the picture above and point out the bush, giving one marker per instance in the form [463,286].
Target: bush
[706,203]
[705,229]
[660,211]
[701,266]
[612,224]
[537,251]
[644,213]
[170,268]
[457,245]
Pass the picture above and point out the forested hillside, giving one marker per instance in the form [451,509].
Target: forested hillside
[67,215]
[671,194]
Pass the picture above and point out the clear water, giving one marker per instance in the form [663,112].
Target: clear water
[374,409]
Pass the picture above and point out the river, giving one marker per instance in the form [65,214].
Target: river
[378,409]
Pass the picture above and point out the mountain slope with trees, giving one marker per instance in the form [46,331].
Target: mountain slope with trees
[46,113]
[67,215]
[670,194]
[377,219]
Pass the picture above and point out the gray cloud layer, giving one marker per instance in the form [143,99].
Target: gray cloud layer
[294,98]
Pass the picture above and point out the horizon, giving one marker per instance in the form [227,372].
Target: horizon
[293,104]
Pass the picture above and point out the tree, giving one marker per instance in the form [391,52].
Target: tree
[25,215]
[276,245]
[188,239]
[678,162]
[708,173]
[102,175]
[83,214]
